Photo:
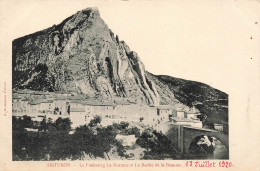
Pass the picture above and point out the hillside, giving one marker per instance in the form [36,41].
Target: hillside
[82,55]
[210,101]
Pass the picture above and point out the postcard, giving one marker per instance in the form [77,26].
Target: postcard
[135,85]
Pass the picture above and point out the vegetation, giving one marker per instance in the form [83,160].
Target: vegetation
[199,148]
[124,129]
[95,121]
[211,102]
[157,145]
[50,140]
[55,140]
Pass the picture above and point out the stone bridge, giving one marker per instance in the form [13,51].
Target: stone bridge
[190,133]
[182,136]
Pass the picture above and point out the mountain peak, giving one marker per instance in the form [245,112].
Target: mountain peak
[91,10]
[82,54]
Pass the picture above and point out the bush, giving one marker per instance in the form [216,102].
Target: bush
[95,121]
[134,131]
[124,125]
[156,144]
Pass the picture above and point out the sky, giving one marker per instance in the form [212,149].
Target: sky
[199,41]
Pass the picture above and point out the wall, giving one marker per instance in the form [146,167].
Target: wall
[78,118]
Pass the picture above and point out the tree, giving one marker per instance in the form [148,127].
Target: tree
[156,144]
[43,124]
[95,121]
[120,149]
[59,140]
[56,110]
[116,126]
[134,131]
[124,125]
[63,125]
[104,139]
[19,138]
[27,121]
[144,140]
[83,141]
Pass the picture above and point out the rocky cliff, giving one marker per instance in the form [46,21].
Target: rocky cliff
[82,54]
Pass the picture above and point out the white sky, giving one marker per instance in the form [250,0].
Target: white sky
[200,40]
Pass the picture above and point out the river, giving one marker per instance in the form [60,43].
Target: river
[200,152]
[220,151]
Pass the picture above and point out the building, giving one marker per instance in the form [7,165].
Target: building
[81,110]
[34,107]
[46,106]
[164,112]
[78,117]
[61,106]
[218,127]
[222,126]
[187,122]
[192,113]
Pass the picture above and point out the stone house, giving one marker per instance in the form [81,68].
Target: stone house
[47,106]
[78,117]
[164,112]
[187,122]
[60,106]
[218,127]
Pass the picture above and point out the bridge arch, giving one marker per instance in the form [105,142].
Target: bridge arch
[189,134]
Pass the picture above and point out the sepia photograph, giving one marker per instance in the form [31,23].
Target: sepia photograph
[79,92]
[129,84]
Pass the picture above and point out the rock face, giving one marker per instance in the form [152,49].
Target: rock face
[82,54]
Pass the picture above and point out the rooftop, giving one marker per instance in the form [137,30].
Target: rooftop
[77,110]
[121,102]
[35,101]
[178,119]
[46,101]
